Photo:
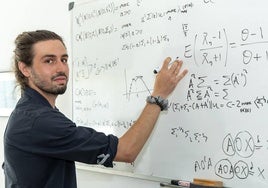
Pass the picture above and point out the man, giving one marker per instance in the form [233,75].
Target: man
[40,143]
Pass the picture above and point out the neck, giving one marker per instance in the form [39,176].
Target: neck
[51,98]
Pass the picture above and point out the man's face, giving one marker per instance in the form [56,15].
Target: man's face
[49,72]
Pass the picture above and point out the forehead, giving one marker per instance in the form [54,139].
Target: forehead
[52,47]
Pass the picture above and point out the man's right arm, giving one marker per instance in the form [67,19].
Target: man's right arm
[131,143]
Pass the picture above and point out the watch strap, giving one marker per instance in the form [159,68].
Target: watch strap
[162,103]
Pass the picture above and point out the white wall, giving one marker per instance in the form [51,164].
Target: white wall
[24,15]
[2,129]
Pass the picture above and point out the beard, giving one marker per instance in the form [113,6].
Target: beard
[45,86]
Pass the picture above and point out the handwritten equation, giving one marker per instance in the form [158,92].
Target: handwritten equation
[206,93]
[214,48]
[244,145]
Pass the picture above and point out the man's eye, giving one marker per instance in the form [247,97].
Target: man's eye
[49,61]
[64,60]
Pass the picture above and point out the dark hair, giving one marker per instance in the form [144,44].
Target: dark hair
[24,50]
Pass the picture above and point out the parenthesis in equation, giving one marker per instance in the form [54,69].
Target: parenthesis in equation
[227,47]
[232,79]
[244,75]
[195,39]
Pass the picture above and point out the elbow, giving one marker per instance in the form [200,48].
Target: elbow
[127,156]
[126,153]
[130,156]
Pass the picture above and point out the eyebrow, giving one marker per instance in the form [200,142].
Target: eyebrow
[51,55]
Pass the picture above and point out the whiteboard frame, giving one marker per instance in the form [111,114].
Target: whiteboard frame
[94,168]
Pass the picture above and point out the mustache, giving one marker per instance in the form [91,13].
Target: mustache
[59,74]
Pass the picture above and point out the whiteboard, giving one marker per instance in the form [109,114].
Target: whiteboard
[216,125]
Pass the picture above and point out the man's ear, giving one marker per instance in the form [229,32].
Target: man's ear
[25,70]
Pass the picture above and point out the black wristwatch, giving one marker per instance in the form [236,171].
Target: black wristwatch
[162,103]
